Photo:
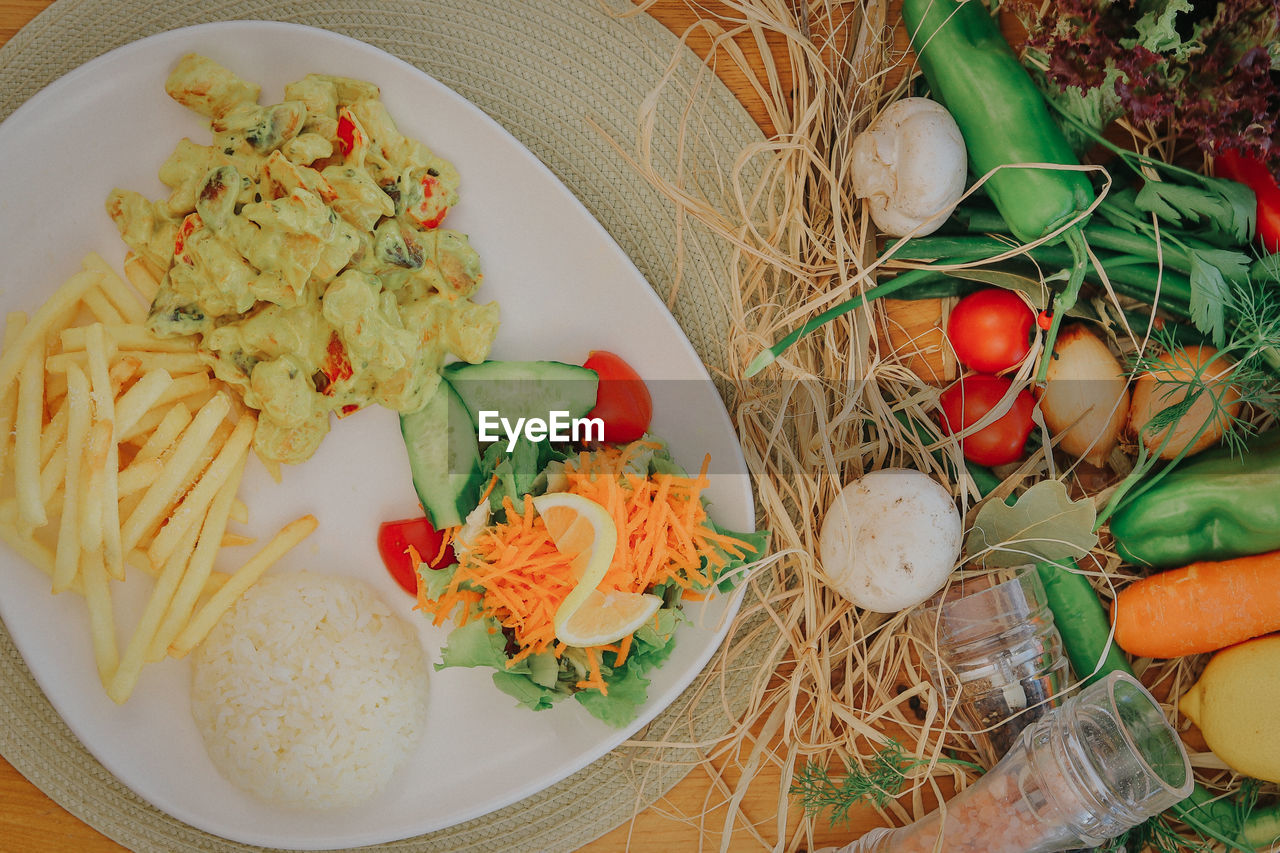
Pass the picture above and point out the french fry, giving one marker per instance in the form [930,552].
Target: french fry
[67,552]
[105,479]
[57,363]
[55,388]
[139,399]
[92,471]
[53,460]
[145,429]
[135,652]
[166,432]
[31,550]
[29,419]
[122,370]
[184,386]
[102,620]
[128,337]
[138,559]
[197,400]
[138,476]
[53,434]
[199,570]
[195,505]
[142,277]
[101,308]
[176,363]
[9,402]
[206,456]
[194,441]
[243,578]
[235,540]
[46,322]
[239,512]
[129,304]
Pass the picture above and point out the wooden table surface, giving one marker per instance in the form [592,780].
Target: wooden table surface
[690,816]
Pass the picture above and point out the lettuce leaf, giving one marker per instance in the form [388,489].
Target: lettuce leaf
[479,642]
[524,690]
[628,690]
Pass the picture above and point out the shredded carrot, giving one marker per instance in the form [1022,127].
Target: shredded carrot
[414,560]
[623,649]
[594,679]
[446,539]
[664,536]
[488,490]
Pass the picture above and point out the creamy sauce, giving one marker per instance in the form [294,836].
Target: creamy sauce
[304,247]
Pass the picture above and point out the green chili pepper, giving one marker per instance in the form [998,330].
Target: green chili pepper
[1004,121]
[1215,506]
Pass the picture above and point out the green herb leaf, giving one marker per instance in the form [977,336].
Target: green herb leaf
[1044,524]
[1214,203]
[1209,293]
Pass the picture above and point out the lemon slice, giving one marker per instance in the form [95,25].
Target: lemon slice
[584,532]
[606,617]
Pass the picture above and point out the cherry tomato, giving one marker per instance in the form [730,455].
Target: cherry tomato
[622,400]
[394,539]
[990,330]
[998,443]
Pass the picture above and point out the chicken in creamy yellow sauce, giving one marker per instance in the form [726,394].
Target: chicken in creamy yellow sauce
[304,247]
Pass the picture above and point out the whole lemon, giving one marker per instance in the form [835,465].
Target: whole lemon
[1236,704]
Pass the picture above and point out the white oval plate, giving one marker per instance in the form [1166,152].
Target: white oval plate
[564,286]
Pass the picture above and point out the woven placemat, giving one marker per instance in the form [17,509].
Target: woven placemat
[557,74]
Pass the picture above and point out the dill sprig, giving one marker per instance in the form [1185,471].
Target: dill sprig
[876,783]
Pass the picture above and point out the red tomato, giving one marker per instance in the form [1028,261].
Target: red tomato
[622,400]
[968,400]
[990,330]
[394,539]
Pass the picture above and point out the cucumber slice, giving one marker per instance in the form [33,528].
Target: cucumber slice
[523,389]
[444,457]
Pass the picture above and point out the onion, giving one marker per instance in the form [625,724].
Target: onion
[1167,383]
[1086,397]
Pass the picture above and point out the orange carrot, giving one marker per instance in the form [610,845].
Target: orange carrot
[1202,607]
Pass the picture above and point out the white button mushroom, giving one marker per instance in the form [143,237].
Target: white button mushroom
[910,166]
[890,539]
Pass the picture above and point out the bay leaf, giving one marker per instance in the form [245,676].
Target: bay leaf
[1044,524]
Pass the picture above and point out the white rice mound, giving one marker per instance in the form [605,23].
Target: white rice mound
[310,691]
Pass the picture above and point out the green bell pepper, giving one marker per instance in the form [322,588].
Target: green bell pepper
[1215,506]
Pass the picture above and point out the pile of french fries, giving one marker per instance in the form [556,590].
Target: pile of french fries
[120,450]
